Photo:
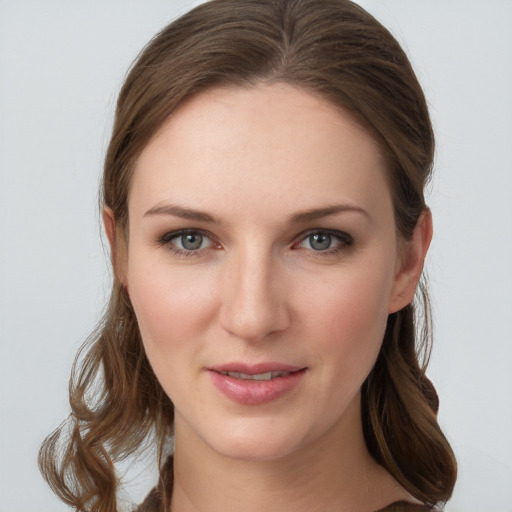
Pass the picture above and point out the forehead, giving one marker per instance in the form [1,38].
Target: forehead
[256,146]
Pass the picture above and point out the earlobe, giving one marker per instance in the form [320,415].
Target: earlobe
[113,239]
[411,263]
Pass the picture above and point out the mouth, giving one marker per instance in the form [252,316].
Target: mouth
[256,376]
[256,384]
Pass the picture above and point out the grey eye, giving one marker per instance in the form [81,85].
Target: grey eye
[320,241]
[191,241]
[187,241]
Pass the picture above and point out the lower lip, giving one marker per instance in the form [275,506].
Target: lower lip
[256,392]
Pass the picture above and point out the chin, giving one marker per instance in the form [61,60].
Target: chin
[256,440]
[255,450]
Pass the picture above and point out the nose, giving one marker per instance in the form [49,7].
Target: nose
[254,301]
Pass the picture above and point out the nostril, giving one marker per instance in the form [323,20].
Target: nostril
[251,321]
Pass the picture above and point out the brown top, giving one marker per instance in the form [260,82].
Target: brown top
[403,506]
[152,503]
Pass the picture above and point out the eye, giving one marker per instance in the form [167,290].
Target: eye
[186,241]
[325,241]
[190,241]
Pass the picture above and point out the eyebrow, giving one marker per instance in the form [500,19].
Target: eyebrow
[297,218]
[318,213]
[181,211]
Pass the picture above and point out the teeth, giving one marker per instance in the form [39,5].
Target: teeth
[257,376]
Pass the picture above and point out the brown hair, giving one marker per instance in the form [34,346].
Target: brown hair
[332,48]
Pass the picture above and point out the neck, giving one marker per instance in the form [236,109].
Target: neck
[334,473]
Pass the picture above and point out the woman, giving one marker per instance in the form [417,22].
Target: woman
[263,199]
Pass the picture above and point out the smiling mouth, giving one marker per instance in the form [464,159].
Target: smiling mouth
[262,385]
[256,376]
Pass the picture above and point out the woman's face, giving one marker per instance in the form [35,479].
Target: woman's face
[262,264]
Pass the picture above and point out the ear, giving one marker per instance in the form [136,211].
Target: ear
[116,251]
[410,265]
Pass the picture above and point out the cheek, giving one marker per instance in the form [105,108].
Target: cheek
[172,307]
[173,311]
[349,316]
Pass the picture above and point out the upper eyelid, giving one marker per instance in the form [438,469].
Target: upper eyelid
[334,232]
[170,235]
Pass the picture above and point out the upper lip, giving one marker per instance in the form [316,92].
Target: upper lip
[255,369]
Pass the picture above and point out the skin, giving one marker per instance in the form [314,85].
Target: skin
[259,290]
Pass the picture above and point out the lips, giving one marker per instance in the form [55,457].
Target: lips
[256,384]
[256,376]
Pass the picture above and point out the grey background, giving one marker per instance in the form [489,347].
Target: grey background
[61,65]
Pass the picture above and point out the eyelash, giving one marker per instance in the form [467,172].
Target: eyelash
[166,240]
[345,241]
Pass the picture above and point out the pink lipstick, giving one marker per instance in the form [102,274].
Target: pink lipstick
[255,384]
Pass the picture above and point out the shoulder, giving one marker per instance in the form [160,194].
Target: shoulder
[152,503]
[154,500]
